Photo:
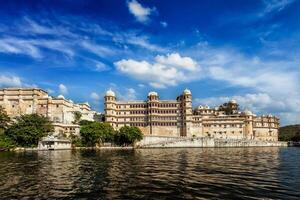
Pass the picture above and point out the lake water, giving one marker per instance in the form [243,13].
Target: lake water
[196,173]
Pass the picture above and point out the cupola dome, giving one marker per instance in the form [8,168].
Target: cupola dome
[60,96]
[187,91]
[152,94]
[233,101]
[248,112]
[110,93]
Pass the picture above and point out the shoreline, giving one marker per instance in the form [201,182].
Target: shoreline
[131,148]
[23,149]
[175,142]
[203,142]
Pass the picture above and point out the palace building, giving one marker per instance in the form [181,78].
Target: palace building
[19,101]
[178,118]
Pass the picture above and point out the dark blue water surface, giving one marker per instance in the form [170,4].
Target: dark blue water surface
[196,173]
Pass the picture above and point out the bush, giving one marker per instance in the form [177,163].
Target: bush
[128,135]
[85,122]
[96,132]
[4,119]
[6,142]
[76,140]
[27,130]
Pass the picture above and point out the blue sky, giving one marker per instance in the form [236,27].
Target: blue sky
[246,50]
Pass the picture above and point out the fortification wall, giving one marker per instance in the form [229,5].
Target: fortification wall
[171,131]
[176,142]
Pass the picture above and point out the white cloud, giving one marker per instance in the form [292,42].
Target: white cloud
[164,24]
[63,89]
[140,12]
[133,38]
[99,50]
[265,80]
[101,67]
[131,94]
[47,28]
[32,47]
[272,85]
[95,96]
[21,38]
[128,94]
[275,5]
[10,81]
[167,70]
[19,46]
[176,60]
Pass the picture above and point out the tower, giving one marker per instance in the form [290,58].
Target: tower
[248,125]
[110,108]
[152,107]
[232,107]
[187,112]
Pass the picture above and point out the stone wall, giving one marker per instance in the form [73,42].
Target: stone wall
[176,142]
[172,131]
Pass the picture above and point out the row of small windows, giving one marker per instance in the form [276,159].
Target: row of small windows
[146,119]
[41,105]
[156,124]
[265,124]
[151,124]
[164,118]
[134,119]
[164,105]
[137,106]
[147,112]
[167,105]
[225,132]
[223,125]
[206,111]
[139,112]
[153,111]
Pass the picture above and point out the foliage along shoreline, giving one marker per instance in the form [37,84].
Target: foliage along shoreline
[289,133]
[24,132]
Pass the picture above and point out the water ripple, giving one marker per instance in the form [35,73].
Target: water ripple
[209,173]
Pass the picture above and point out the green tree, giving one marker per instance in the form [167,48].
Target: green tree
[77,117]
[96,132]
[4,120]
[296,137]
[128,135]
[85,122]
[289,133]
[27,130]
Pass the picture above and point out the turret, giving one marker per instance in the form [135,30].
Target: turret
[152,96]
[187,112]
[248,124]
[110,95]
[110,107]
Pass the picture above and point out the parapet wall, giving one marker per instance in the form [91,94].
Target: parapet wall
[177,142]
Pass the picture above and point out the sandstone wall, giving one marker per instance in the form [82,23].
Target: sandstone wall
[176,142]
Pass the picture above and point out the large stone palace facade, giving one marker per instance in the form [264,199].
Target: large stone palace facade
[19,101]
[177,118]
